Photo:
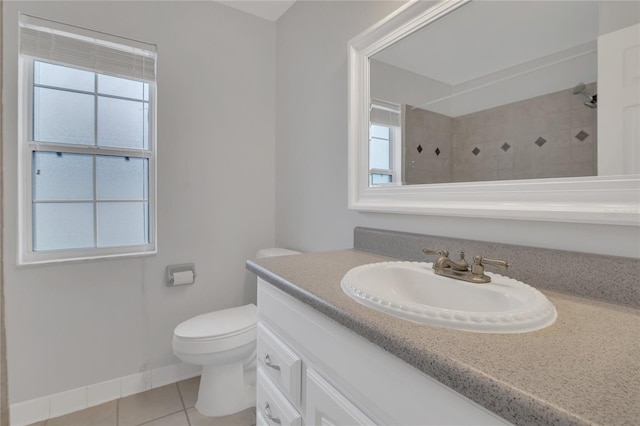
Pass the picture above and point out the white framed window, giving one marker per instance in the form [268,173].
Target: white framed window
[385,144]
[87,156]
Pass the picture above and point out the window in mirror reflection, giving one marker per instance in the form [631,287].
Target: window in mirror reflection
[384,144]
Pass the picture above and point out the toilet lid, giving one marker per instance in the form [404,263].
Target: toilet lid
[219,324]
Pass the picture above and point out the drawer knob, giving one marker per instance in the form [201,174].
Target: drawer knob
[267,411]
[267,361]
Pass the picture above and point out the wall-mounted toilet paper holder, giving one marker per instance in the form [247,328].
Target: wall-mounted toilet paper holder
[184,273]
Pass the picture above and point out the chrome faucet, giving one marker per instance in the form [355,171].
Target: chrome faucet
[461,270]
[444,261]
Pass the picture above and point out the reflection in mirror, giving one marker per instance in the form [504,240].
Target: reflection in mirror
[463,101]
[385,143]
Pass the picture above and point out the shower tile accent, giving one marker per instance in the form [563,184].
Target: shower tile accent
[437,151]
[540,141]
[582,135]
[419,149]
[552,135]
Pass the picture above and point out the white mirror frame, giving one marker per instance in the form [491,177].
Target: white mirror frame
[613,200]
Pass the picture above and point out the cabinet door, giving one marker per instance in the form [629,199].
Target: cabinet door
[328,407]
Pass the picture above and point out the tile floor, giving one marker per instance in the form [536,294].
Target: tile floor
[170,405]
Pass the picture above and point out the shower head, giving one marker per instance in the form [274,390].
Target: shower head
[592,100]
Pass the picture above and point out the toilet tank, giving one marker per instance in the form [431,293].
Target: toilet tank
[274,252]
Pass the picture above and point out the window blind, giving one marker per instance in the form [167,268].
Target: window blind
[385,113]
[87,49]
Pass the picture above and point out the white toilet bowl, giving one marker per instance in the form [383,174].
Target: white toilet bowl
[224,344]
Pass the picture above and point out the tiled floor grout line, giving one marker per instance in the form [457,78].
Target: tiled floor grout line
[170,414]
[183,405]
[162,417]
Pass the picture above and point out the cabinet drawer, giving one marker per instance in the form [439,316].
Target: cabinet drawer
[280,363]
[272,407]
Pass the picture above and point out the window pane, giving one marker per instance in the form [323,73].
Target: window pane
[146,91]
[64,77]
[58,226]
[121,123]
[381,132]
[63,117]
[62,176]
[377,178]
[379,157]
[122,87]
[122,178]
[121,224]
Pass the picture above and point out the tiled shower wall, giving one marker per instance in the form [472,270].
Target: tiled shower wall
[553,135]
[426,145]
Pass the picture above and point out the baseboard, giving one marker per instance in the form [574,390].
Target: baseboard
[47,407]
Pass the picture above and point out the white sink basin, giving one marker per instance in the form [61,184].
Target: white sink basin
[412,291]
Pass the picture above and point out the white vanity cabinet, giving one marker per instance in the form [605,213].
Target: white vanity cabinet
[313,371]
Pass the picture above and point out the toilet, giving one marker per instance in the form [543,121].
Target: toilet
[224,344]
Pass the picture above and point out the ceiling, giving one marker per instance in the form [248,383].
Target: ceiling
[267,9]
[472,41]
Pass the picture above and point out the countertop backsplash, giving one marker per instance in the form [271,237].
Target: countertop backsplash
[607,278]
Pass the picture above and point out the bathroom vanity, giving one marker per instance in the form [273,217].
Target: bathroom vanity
[323,358]
[311,367]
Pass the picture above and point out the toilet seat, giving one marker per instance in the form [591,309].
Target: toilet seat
[217,331]
[219,324]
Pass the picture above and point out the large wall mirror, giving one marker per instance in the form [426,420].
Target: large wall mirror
[504,109]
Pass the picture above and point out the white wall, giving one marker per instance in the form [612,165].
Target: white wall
[4,400]
[311,148]
[72,325]
[614,15]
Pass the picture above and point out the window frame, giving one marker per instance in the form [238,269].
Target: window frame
[395,156]
[27,146]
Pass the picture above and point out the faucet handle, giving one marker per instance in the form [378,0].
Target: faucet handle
[430,252]
[477,269]
[479,260]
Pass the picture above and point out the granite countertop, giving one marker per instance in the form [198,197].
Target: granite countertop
[582,370]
